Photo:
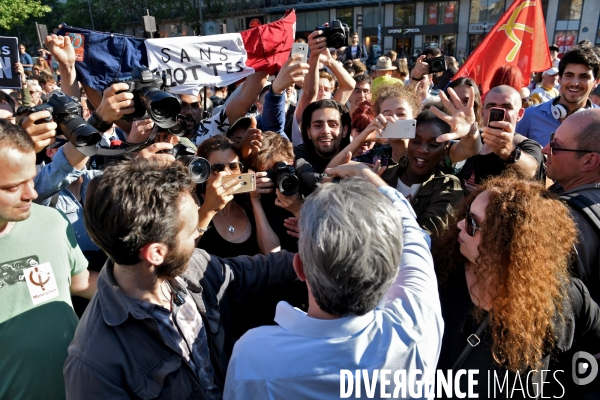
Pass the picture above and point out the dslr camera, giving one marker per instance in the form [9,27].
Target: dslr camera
[337,34]
[436,64]
[285,178]
[66,112]
[151,98]
[199,167]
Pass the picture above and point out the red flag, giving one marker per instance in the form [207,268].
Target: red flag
[518,38]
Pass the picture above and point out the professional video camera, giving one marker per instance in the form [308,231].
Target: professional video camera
[151,98]
[285,178]
[199,167]
[66,112]
[337,34]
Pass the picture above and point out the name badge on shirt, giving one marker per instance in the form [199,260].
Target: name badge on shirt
[41,283]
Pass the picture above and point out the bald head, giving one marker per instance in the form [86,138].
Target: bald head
[505,90]
[587,125]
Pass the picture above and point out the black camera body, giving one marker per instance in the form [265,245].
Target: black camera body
[199,167]
[66,112]
[285,178]
[151,97]
[337,34]
[436,64]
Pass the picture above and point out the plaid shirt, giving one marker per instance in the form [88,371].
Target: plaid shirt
[183,330]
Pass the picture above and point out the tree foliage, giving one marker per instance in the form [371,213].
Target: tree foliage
[14,12]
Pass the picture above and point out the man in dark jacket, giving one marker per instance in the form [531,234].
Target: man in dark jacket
[356,50]
[159,326]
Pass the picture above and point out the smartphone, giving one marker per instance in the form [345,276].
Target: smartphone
[496,114]
[300,48]
[401,129]
[248,182]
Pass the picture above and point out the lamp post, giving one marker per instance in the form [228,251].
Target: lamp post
[201,21]
[91,16]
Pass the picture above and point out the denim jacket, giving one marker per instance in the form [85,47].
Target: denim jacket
[118,351]
[56,178]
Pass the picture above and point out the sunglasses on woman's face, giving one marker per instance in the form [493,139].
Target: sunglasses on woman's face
[232,166]
[471,224]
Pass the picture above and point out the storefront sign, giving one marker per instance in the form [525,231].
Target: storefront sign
[449,14]
[405,31]
[432,14]
[564,43]
[480,28]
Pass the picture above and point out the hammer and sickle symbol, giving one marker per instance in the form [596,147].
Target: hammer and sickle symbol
[511,26]
[39,282]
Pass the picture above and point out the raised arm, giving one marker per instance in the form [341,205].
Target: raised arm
[61,48]
[245,96]
[317,45]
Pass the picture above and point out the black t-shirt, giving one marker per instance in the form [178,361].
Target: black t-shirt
[480,167]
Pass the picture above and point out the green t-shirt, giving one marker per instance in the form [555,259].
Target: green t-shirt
[37,321]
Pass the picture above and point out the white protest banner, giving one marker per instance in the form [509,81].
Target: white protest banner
[9,56]
[197,61]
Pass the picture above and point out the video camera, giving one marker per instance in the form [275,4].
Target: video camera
[152,100]
[66,112]
[337,34]
[285,178]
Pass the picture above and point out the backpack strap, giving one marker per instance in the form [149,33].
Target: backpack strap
[54,200]
[589,209]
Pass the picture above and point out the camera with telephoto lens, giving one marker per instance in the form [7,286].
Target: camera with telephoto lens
[181,127]
[199,167]
[285,178]
[337,34]
[436,64]
[151,98]
[66,112]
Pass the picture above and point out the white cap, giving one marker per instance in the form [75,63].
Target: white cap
[551,71]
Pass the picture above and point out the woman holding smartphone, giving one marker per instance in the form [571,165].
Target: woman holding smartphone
[227,222]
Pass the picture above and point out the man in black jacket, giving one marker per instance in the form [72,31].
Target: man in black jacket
[356,50]
[159,326]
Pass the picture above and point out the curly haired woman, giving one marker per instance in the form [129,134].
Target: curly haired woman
[505,264]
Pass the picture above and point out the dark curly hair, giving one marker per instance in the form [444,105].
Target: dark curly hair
[135,203]
[526,241]
[580,55]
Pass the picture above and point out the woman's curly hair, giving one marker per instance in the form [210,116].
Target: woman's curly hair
[527,238]
[396,90]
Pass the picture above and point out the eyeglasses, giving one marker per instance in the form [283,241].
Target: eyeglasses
[232,166]
[554,147]
[193,107]
[471,224]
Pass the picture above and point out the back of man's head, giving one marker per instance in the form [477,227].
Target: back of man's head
[350,246]
[135,203]
[588,134]
[432,51]
[584,55]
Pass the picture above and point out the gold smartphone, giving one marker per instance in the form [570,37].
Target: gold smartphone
[248,180]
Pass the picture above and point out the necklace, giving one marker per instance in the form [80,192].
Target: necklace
[231,229]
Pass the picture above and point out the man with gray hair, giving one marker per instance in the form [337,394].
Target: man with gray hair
[574,164]
[373,302]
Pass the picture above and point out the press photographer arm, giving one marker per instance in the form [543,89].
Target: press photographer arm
[245,96]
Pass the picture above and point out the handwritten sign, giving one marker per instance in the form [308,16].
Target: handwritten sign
[9,56]
[194,62]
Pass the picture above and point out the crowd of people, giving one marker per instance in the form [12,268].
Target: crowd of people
[313,244]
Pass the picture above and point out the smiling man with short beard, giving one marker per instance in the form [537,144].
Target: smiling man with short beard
[159,326]
[578,74]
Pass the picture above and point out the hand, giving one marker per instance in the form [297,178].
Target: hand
[21,71]
[356,169]
[140,131]
[290,74]
[218,194]
[291,224]
[421,68]
[42,134]
[461,117]
[264,185]
[62,50]
[500,138]
[152,153]
[114,105]
[373,131]
[251,141]
[291,203]
[316,43]
[377,168]
[326,58]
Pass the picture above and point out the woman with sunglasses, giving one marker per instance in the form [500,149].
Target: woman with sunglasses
[227,221]
[508,303]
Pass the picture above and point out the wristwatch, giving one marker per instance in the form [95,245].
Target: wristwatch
[514,156]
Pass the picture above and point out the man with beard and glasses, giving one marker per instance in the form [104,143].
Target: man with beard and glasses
[159,326]
[578,75]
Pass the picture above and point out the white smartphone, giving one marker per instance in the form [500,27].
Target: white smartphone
[300,48]
[401,129]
